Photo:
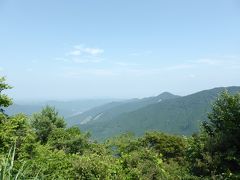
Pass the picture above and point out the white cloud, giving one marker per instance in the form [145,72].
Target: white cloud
[93,51]
[81,54]
[80,49]
[1,69]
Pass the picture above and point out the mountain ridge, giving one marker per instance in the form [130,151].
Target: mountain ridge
[182,115]
[113,109]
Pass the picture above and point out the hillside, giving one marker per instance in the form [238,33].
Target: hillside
[181,115]
[111,110]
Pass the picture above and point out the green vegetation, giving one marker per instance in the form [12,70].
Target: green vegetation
[42,147]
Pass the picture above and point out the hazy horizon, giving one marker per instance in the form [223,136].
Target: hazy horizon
[27,100]
[52,50]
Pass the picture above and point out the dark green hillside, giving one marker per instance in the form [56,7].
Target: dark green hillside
[110,111]
[178,116]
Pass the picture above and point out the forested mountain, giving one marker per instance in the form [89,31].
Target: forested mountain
[179,115]
[111,110]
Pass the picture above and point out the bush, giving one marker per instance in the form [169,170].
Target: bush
[169,146]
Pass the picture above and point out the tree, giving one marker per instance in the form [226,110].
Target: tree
[45,122]
[14,129]
[5,101]
[169,146]
[71,140]
[223,130]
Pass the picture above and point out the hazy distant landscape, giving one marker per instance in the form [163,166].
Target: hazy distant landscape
[65,108]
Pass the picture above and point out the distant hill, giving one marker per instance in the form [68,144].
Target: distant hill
[111,110]
[23,108]
[177,115]
[65,108]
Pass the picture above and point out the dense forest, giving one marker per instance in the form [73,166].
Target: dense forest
[41,146]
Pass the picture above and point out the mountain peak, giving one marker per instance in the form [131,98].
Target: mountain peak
[167,95]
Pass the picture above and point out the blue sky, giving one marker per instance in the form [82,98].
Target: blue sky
[52,49]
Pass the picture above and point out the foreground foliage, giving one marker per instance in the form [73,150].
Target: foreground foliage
[42,147]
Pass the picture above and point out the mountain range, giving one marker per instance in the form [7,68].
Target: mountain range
[111,110]
[166,112]
[105,118]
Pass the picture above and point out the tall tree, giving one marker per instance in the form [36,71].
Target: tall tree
[13,129]
[45,122]
[223,129]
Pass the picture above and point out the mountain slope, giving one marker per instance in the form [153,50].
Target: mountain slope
[111,110]
[181,115]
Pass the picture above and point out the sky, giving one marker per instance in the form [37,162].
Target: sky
[70,49]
